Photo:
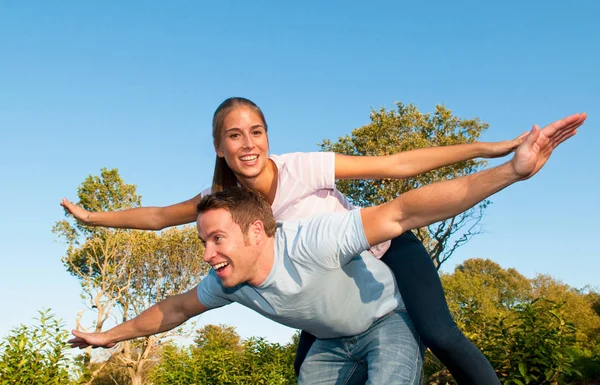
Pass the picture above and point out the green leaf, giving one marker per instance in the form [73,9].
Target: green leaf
[523,369]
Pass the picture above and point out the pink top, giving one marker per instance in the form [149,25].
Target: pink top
[306,186]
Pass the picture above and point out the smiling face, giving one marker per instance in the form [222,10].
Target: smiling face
[243,142]
[231,253]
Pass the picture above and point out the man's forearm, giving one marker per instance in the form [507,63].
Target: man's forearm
[156,319]
[439,201]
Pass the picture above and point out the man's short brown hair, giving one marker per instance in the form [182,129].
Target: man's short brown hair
[245,206]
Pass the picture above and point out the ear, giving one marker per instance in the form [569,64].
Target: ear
[218,151]
[256,232]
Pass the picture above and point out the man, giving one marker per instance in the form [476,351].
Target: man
[310,273]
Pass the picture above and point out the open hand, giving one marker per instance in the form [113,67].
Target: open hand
[538,145]
[79,213]
[505,147]
[96,340]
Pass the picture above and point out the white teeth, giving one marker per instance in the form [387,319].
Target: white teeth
[220,265]
[249,157]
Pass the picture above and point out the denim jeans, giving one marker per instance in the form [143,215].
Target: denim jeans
[389,352]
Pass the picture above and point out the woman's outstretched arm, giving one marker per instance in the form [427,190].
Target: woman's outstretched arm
[410,163]
[142,218]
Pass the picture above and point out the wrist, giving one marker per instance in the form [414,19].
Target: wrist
[88,219]
[485,149]
[111,337]
[509,172]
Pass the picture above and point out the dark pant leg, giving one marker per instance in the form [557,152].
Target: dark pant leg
[421,290]
[304,343]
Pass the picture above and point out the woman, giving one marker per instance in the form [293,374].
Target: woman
[303,184]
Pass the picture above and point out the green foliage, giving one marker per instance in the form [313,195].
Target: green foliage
[123,272]
[404,129]
[220,357]
[271,363]
[480,290]
[35,355]
[213,337]
[587,367]
[91,248]
[531,346]
[579,308]
[528,328]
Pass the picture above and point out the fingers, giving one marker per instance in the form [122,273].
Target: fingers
[573,126]
[516,142]
[561,130]
[566,132]
[78,343]
[555,143]
[560,136]
[532,136]
[569,123]
[66,204]
[80,340]
[519,139]
[95,340]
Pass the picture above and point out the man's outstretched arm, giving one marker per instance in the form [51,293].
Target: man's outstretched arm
[443,200]
[161,317]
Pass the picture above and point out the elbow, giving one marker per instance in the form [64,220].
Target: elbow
[408,219]
[157,222]
[152,224]
[404,170]
[411,224]
[157,226]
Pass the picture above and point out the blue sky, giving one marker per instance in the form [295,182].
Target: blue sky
[133,85]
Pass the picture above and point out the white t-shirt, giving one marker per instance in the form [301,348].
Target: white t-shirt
[306,187]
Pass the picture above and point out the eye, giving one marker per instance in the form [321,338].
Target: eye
[235,136]
[257,132]
[218,239]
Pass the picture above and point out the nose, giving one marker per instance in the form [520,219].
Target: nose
[209,253]
[248,142]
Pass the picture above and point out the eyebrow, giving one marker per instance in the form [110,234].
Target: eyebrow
[239,129]
[208,236]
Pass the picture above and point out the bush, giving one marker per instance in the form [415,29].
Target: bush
[220,357]
[533,345]
[32,355]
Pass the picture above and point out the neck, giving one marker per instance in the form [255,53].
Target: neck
[264,263]
[264,183]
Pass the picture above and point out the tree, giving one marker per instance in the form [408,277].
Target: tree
[579,307]
[404,129]
[213,337]
[480,290]
[123,272]
[35,355]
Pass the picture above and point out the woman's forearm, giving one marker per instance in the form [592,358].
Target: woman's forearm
[411,163]
[142,218]
[414,162]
